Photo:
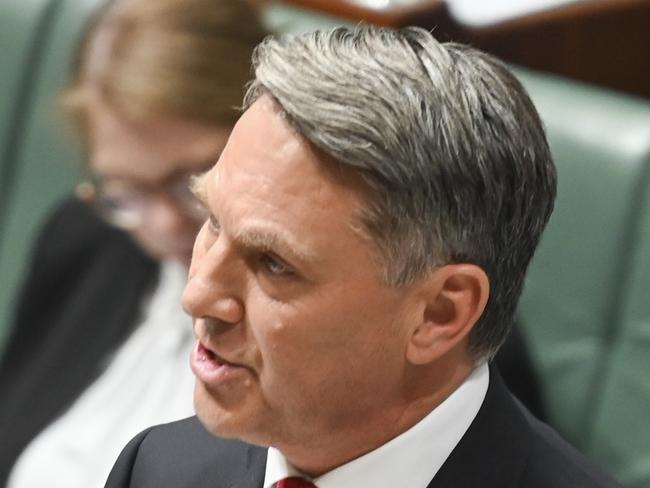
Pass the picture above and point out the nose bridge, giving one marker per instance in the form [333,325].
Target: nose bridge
[219,260]
[213,285]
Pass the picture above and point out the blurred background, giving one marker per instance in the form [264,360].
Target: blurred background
[586,63]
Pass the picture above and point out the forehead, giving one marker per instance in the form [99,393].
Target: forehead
[269,175]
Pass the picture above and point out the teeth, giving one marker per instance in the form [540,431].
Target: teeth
[205,354]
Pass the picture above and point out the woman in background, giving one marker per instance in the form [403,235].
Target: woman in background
[100,345]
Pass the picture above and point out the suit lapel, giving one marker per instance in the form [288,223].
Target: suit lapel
[255,469]
[494,450]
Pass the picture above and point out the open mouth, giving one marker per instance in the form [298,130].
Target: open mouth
[205,354]
[211,368]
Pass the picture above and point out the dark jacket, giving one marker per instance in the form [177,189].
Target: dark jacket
[79,303]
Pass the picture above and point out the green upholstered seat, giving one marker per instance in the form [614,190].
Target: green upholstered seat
[585,307]
[620,433]
[39,162]
[20,23]
[23,31]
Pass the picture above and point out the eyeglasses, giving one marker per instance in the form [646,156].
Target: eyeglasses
[125,205]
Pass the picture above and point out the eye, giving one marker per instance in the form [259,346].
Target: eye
[214,225]
[275,266]
[209,232]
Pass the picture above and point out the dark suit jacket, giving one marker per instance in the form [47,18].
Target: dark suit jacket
[505,447]
[80,302]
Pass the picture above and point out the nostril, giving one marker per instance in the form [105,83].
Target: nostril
[213,326]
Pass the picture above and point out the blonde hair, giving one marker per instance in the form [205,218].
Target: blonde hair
[186,58]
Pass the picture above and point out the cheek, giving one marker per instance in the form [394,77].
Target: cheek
[328,320]
[304,343]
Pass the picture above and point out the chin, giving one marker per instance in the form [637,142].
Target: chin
[225,423]
[217,420]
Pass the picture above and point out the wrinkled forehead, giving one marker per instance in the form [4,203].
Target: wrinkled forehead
[267,162]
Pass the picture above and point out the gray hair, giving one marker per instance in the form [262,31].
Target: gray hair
[446,138]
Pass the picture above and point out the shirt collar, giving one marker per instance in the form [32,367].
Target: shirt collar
[412,458]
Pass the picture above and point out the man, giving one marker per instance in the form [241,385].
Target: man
[371,220]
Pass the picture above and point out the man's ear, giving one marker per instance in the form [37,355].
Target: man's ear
[454,298]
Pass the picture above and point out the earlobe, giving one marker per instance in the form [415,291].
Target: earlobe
[454,297]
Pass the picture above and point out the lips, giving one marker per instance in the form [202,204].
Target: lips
[205,354]
[212,369]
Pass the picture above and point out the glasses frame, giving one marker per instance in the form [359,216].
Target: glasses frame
[126,205]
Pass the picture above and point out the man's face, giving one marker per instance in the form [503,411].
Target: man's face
[297,337]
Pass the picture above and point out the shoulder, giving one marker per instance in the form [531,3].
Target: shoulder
[78,257]
[507,447]
[73,230]
[80,269]
[183,454]
[554,462]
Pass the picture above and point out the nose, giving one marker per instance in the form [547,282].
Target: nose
[212,286]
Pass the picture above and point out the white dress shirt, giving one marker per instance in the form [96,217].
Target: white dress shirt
[411,459]
[148,381]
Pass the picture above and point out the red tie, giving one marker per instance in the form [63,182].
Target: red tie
[294,483]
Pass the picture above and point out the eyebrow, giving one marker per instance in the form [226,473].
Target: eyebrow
[198,187]
[255,239]
[264,241]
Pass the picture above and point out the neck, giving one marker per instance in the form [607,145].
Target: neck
[338,446]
